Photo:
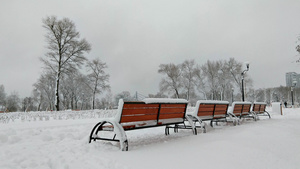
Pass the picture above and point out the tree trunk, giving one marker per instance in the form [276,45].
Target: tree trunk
[94,99]
[177,94]
[72,101]
[94,93]
[57,92]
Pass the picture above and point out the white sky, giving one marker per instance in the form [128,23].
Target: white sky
[134,36]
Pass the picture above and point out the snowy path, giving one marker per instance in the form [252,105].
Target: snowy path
[62,144]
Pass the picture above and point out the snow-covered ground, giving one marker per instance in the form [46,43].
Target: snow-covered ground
[60,141]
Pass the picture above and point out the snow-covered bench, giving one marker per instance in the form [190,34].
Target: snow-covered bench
[241,110]
[259,108]
[149,113]
[212,110]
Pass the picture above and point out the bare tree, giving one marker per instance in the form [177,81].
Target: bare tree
[188,76]
[44,88]
[199,81]
[13,102]
[27,104]
[211,74]
[66,91]
[235,68]
[225,81]
[2,95]
[173,81]
[65,49]
[98,78]
[106,102]
[38,98]
[158,95]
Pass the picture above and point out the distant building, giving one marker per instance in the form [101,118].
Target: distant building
[291,77]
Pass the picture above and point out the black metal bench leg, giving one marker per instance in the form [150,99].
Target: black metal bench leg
[176,128]
[167,132]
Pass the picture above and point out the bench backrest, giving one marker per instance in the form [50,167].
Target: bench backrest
[209,109]
[259,107]
[152,113]
[241,108]
[139,111]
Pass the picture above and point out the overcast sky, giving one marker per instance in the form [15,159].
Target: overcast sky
[135,36]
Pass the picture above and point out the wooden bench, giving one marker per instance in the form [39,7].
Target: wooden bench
[209,110]
[138,115]
[241,110]
[259,109]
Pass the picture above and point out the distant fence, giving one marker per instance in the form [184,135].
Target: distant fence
[55,115]
[59,115]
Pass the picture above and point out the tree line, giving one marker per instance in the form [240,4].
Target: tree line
[214,80]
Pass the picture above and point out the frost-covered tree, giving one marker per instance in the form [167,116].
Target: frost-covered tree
[235,69]
[2,95]
[211,74]
[38,98]
[125,95]
[43,90]
[199,81]
[106,102]
[158,95]
[13,102]
[98,78]
[172,81]
[27,104]
[65,49]
[188,77]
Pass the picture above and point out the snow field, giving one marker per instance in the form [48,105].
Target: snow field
[63,144]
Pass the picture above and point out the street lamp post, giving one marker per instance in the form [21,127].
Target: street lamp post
[243,73]
[232,90]
[292,88]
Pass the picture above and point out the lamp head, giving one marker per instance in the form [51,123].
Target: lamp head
[247,65]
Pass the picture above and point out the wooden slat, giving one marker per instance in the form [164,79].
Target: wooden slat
[206,106]
[132,106]
[206,110]
[237,109]
[241,109]
[256,107]
[221,109]
[221,106]
[135,118]
[220,113]
[183,105]
[171,110]
[171,115]
[262,108]
[140,111]
[246,108]
[209,113]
